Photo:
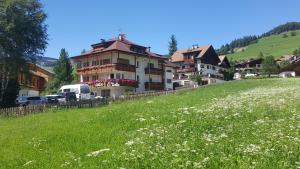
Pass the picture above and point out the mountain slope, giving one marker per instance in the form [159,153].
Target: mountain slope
[239,124]
[274,45]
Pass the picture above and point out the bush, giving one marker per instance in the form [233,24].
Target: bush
[285,35]
[196,78]
[293,33]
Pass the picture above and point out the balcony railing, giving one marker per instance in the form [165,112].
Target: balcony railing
[154,86]
[153,71]
[108,68]
[113,83]
[192,69]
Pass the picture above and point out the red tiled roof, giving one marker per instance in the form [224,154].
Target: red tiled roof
[178,56]
[117,44]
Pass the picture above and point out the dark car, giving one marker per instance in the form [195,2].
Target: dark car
[66,97]
[52,99]
[22,101]
[35,100]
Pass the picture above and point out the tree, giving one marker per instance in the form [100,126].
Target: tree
[83,51]
[11,93]
[269,66]
[295,52]
[260,55]
[196,78]
[293,33]
[63,72]
[172,45]
[284,64]
[23,37]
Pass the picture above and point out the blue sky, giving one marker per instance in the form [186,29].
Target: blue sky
[75,25]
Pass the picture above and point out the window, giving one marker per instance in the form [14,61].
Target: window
[202,66]
[112,76]
[123,61]
[150,80]
[118,75]
[138,78]
[105,93]
[183,67]
[207,66]
[151,65]
[95,77]
[169,71]
[213,68]
[94,63]
[79,64]
[105,61]
[97,62]
[84,89]
[86,64]
[137,64]
[86,78]
[123,77]
[169,80]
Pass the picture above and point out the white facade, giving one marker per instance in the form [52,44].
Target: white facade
[168,77]
[137,72]
[28,92]
[287,74]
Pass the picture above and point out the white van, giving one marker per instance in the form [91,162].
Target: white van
[82,91]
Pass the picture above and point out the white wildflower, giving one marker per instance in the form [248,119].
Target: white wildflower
[96,153]
[129,143]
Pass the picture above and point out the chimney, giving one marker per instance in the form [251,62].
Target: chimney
[121,37]
[149,49]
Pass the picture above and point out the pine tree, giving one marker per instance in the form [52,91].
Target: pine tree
[62,72]
[172,45]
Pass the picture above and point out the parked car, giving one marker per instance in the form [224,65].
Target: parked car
[36,100]
[66,97]
[82,91]
[52,99]
[22,101]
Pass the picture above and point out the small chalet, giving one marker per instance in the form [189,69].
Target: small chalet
[201,60]
[252,66]
[288,58]
[291,70]
[35,82]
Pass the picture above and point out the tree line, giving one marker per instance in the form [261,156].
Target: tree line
[247,40]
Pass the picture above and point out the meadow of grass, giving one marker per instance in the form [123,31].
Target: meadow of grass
[242,124]
[274,45]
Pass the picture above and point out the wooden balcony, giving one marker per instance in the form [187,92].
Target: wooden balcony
[153,71]
[192,69]
[108,68]
[154,86]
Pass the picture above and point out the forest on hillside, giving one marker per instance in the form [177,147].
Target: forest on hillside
[247,40]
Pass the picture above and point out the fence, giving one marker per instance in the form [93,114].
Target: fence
[19,111]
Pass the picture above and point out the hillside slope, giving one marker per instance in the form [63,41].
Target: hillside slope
[274,45]
[241,124]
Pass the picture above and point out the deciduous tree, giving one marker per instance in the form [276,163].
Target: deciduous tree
[269,66]
[23,37]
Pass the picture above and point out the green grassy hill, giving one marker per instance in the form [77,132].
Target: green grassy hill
[274,45]
[241,124]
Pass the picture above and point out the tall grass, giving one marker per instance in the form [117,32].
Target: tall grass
[245,124]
